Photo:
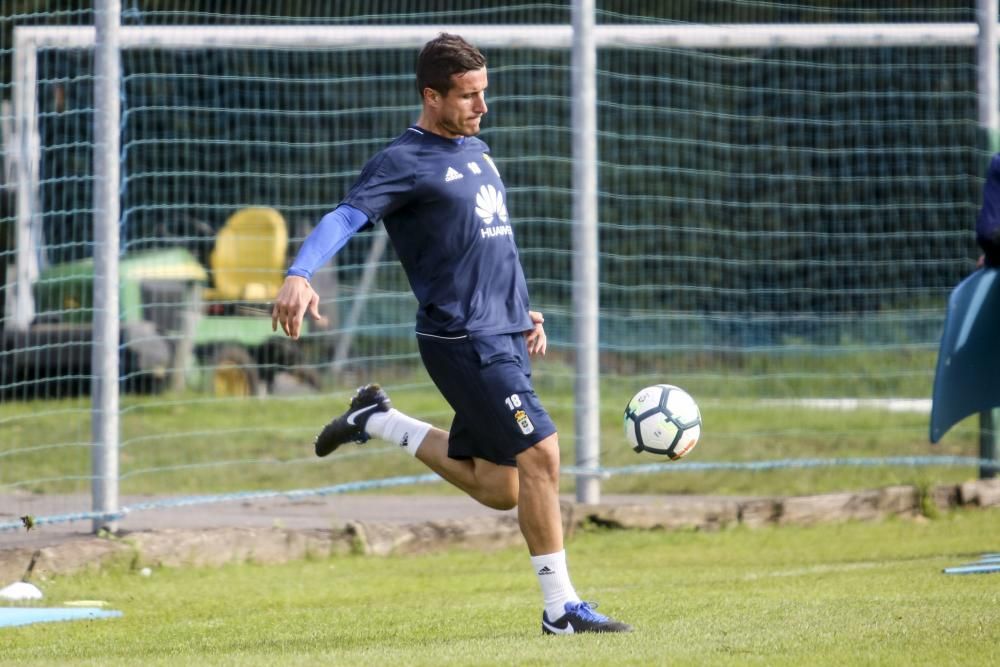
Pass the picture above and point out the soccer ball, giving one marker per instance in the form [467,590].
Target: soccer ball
[663,419]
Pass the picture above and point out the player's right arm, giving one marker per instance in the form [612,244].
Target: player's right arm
[296,296]
[385,184]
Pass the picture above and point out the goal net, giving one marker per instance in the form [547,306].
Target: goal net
[783,209]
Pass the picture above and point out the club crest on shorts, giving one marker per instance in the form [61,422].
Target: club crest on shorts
[521,417]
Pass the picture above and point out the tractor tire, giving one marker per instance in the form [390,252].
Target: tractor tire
[234,372]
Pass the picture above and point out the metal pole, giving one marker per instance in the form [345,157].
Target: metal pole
[989,443]
[28,244]
[365,285]
[104,359]
[989,120]
[989,70]
[585,279]
[544,37]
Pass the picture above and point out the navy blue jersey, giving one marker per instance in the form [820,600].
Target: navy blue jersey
[445,209]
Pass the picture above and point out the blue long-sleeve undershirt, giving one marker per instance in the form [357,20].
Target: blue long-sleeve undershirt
[329,236]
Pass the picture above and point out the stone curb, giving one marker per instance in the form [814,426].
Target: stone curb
[218,546]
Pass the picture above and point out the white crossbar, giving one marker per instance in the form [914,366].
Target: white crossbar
[673,35]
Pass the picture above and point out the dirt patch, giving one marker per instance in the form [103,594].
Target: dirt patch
[287,530]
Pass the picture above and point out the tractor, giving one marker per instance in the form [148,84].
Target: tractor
[183,324]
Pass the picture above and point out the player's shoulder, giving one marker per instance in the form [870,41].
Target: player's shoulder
[477,144]
[410,138]
[415,143]
[401,153]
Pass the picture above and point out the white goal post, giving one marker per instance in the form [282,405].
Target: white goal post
[28,41]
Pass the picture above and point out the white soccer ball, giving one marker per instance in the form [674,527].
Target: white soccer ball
[663,419]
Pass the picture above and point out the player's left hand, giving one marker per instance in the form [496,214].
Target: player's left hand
[535,337]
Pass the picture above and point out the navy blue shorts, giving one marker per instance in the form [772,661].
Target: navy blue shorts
[487,382]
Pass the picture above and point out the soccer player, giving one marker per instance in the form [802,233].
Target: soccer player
[988,220]
[443,204]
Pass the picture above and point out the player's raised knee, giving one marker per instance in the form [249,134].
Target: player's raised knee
[501,491]
[505,500]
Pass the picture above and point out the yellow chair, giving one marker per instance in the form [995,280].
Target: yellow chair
[248,260]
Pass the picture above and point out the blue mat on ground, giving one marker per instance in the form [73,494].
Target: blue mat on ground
[10,616]
[985,565]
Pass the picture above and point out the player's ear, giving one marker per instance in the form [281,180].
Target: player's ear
[431,96]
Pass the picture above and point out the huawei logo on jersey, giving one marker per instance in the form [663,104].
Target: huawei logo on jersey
[489,204]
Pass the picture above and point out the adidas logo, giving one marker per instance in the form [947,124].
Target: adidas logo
[405,441]
[452,175]
[546,570]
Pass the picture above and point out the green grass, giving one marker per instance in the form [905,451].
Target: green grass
[848,594]
[191,443]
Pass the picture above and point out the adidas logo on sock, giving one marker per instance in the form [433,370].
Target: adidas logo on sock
[405,441]
[546,570]
[452,175]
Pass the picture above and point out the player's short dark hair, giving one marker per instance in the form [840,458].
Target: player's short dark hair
[443,57]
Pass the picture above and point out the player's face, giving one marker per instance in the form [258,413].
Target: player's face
[458,113]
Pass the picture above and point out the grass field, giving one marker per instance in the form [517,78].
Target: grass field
[849,594]
[190,443]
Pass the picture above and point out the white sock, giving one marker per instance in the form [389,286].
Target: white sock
[398,428]
[553,577]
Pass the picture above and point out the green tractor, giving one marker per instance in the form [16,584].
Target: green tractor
[182,324]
